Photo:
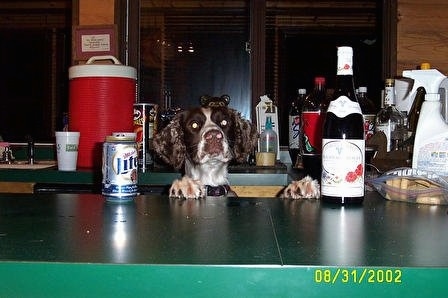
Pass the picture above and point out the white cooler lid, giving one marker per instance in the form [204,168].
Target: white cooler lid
[102,70]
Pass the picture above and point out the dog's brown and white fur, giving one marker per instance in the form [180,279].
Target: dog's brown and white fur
[204,140]
[305,188]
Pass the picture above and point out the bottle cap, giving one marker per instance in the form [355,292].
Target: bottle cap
[345,50]
[390,81]
[345,61]
[363,89]
[268,124]
[425,65]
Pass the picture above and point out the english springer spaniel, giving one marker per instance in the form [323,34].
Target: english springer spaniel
[204,140]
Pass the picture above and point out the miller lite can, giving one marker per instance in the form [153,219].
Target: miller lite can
[119,169]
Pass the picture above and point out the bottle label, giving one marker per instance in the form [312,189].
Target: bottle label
[432,156]
[389,96]
[369,126]
[345,64]
[312,132]
[294,132]
[343,167]
[387,130]
[343,106]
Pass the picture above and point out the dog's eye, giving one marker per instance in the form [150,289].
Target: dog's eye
[223,122]
[194,125]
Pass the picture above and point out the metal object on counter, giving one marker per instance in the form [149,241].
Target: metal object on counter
[119,168]
[7,157]
[30,152]
[145,125]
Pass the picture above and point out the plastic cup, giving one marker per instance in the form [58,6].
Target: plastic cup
[67,150]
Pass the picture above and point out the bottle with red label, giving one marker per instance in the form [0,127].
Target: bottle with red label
[368,111]
[313,114]
[295,129]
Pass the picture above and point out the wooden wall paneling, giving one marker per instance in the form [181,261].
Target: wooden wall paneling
[422,34]
[98,12]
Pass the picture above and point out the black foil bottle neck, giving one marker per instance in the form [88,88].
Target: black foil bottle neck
[345,86]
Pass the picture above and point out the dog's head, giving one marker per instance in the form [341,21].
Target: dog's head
[203,134]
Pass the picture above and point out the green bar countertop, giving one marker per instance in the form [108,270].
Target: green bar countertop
[237,176]
[80,245]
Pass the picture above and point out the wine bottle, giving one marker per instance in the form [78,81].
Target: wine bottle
[313,111]
[343,143]
[295,129]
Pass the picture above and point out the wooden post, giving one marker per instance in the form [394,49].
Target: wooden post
[257,51]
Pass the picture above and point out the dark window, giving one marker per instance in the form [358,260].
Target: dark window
[187,52]
[32,89]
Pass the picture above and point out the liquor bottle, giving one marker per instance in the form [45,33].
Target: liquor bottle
[312,118]
[368,111]
[295,129]
[343,144]
[268,137]
[389,120]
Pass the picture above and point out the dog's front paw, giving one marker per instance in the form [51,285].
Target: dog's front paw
[301,189]
[187,188]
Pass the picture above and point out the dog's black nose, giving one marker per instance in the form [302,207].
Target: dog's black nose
[213,140]
[213,135]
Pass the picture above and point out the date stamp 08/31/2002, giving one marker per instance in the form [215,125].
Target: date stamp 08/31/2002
[358,276]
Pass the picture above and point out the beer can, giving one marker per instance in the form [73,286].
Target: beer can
[119,168]
[130,135]
[145,126]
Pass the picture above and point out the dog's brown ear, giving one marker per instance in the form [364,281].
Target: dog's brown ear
[246,137]
[169,143]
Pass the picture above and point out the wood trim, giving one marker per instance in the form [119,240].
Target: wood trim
[17,187]
[134,34]
[389,32]
[75,12]
[127,18]
[257,191]
[257,52]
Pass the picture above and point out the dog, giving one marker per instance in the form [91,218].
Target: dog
[204,140]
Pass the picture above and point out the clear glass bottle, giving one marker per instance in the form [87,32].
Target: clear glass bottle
[343,144]
[313,113]
[295,129]
[268,137]
[389,120]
